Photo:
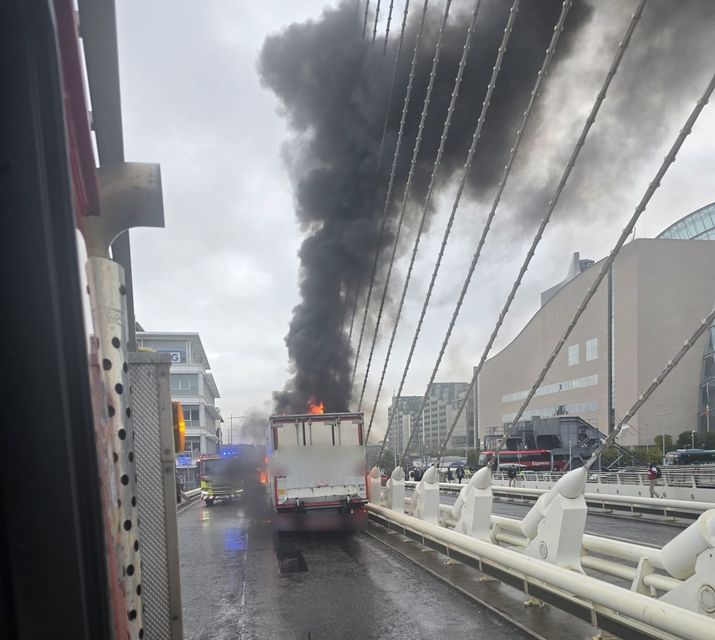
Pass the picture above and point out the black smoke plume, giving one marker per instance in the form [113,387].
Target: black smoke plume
[333,90]
[333,87]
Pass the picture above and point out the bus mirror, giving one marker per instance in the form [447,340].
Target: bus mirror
[177,414]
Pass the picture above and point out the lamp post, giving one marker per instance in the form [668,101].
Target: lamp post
[663,414]
[692,439]
[230,429]
[624,428]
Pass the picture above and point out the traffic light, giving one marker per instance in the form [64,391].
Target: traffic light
[177,415]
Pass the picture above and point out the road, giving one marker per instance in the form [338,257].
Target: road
[238,581]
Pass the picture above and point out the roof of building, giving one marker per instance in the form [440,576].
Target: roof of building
[698,225]
[197,347]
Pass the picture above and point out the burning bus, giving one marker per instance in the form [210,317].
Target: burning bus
[317,471]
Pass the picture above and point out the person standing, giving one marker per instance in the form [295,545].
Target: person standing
[512,476]
[450,476]
[460,473]
[653,475]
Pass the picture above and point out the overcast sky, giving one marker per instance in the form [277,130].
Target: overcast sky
[226,263]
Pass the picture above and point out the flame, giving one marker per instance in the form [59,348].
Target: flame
[313,407]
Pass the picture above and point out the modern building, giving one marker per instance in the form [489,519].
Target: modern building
[652,300]
[700,225]
[437,418]
[194,386]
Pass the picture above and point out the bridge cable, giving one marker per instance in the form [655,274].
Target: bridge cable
[406,193]
[374,26]
[387,28]
[445,131]
[507,169]
[390,184]
[603,272]
[380,155]
[657,381]
[364,22]
[623,45]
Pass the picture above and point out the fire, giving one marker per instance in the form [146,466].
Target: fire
[313,407]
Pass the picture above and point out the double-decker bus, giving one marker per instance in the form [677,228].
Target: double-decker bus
[526,459]
[317,471]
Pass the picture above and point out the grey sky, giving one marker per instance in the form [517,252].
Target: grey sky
[226,263]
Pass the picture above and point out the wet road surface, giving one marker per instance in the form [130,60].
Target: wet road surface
[238,581]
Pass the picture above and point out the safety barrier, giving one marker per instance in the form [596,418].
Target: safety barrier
[187,499]
[692,484]
[667,508]
[672,590]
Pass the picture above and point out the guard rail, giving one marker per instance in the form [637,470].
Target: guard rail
[668,508]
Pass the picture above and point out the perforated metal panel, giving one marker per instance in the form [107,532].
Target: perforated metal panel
[156,494]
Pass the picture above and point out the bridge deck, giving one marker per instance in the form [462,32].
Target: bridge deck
[332,586]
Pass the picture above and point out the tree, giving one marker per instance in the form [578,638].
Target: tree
[473,458]
[701,441]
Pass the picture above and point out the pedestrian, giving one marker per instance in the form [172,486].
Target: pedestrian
[418,474]
[511,474]
[653,474]
[467,473]
[179,488]
[460,473]
[450,476]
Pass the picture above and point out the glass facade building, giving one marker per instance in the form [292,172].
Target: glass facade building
[707,383]
[698,225]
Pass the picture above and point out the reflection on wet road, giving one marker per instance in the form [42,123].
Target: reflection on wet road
[238,581]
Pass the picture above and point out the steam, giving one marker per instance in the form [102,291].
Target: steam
[332,87]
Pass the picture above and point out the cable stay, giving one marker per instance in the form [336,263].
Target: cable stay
[374,26]
[558,29]
[380,154]
[607,264]
[406,194]
[652,187]
[622,47]
[364,22]
[438,159]
[657,381]
[387,28]
[408,93]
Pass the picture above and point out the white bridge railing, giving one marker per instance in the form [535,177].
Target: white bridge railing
[671,590]
[664,507]
[691,483]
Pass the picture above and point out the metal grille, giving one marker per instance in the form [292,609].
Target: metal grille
[149,372]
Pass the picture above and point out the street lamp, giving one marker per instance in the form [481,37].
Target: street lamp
[230,421]
[624,427]
[692,439]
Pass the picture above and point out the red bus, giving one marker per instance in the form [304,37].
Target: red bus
[527,459]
